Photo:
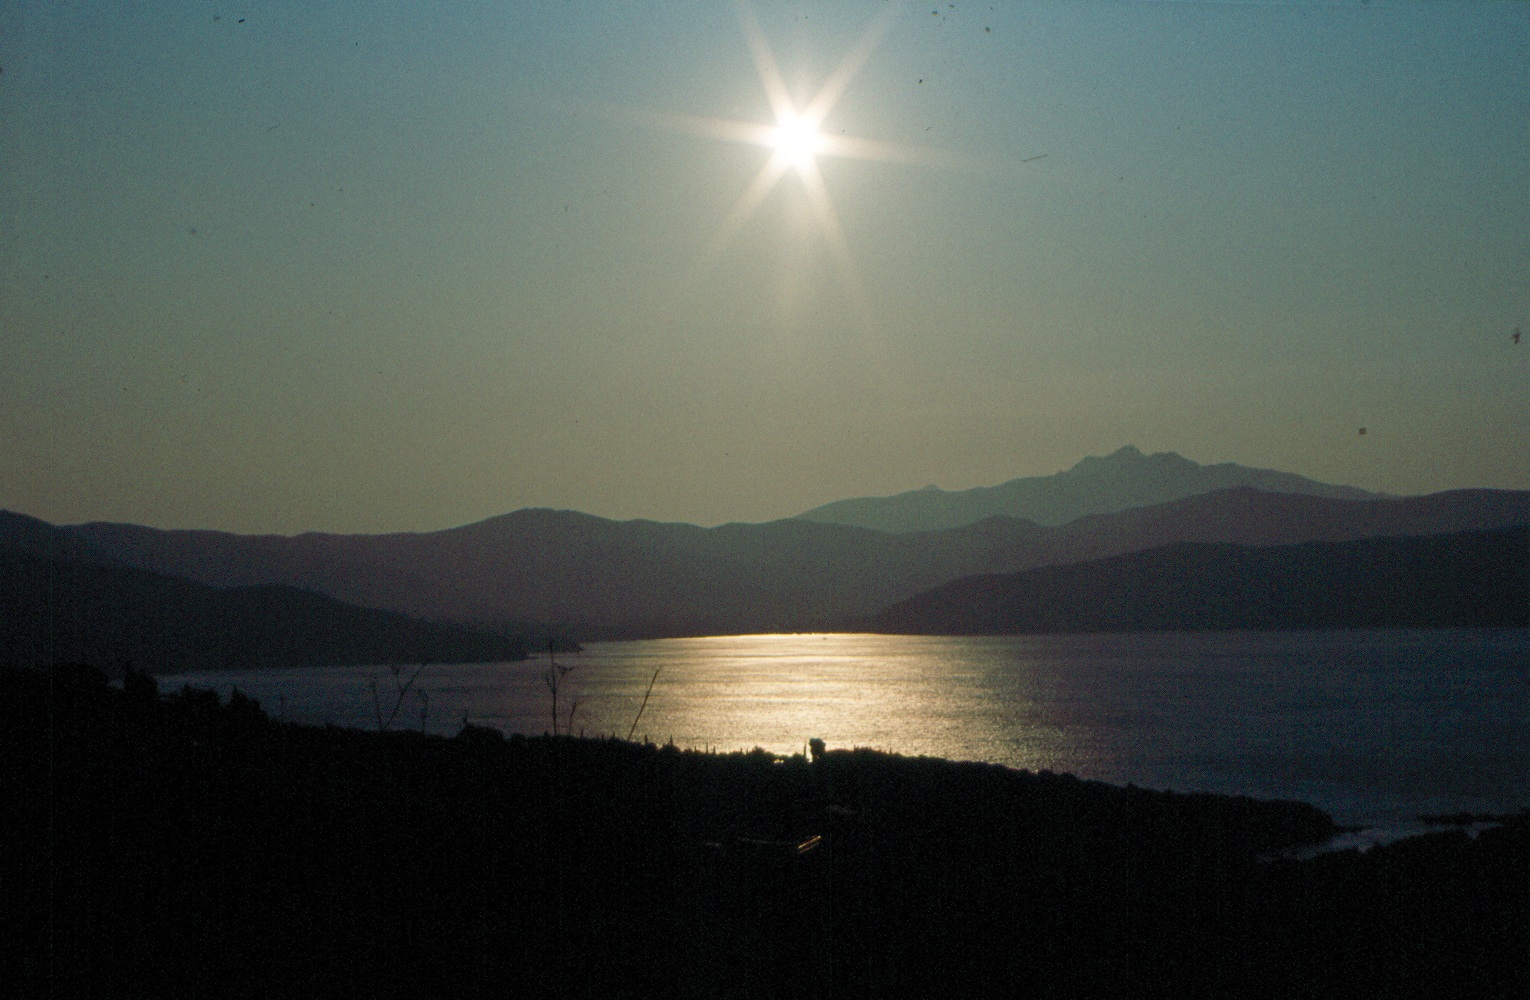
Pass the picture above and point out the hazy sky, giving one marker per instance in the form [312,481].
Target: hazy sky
[280,266]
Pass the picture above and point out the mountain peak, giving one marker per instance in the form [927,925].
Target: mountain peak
[1121,480]
[1129,457]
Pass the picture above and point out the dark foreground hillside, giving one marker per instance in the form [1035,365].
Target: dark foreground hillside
[176,846]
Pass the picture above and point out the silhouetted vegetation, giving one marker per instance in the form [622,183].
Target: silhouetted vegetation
[192,847]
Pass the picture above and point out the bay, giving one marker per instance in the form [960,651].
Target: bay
[1376,727]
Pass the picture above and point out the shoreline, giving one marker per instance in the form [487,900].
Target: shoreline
[1231,731]
[201,848]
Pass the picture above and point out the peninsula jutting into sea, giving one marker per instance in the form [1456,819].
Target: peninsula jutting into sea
[201,847]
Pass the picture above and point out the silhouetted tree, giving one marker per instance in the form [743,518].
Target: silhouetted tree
[139,685]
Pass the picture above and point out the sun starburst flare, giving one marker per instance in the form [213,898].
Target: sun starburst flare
[796,144]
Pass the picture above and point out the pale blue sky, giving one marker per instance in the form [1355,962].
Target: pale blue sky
[366,267]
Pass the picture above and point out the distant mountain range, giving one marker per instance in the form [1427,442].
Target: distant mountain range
[593,578]
[64,600]
[1128,541]
[1124,479]
[1467,580]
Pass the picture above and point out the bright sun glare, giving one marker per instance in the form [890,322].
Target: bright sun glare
[796,140]
[796,144]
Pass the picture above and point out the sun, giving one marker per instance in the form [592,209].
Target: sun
[796,140]
[796,143]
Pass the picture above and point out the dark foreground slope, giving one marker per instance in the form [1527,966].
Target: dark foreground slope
[198,849]
[1474,579]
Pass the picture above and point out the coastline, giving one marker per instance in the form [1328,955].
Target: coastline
[199,845]
[1435,730]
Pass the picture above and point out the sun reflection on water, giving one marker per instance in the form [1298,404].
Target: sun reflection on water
[896,694]
[1366,724]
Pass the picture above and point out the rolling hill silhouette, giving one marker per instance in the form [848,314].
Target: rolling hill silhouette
[595,578]
[66,602]
[1466,580]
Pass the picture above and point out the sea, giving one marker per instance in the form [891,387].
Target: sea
[1377,727]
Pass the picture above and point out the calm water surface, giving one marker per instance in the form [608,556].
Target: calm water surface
[1375,727]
